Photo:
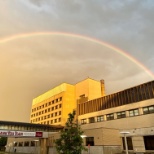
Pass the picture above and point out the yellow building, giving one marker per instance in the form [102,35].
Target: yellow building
[53,106]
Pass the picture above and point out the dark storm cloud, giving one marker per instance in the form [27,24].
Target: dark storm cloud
[33,65]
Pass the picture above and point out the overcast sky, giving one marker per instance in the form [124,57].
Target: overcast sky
[34,64]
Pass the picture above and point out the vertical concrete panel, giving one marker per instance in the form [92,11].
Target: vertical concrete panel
[138,144]
[43,146]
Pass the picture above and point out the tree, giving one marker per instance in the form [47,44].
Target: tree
[70,141]
[3,141]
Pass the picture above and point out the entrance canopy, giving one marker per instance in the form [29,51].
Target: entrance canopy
[20,129]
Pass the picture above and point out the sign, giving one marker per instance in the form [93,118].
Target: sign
[39,134]
[6,133]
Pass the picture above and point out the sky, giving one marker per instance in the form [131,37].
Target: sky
[44,43]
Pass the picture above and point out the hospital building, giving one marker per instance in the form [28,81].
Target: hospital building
[105,119]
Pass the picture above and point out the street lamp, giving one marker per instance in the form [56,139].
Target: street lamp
[125,133]
[83,136]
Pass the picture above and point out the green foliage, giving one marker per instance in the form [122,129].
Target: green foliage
[3,141]
[70,141]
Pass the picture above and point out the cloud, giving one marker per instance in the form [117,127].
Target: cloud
[31,66]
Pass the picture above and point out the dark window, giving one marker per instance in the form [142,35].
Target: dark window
[100,118]
[90,141]
[59,119]
[20,144]
[59,112]
[53,102]
[129,143]
[83,121]
[91,120]
[133,112]
[32,143]
[26,143]
[60,98]
[148,141]
[148,109]
[110,116]
[121,114]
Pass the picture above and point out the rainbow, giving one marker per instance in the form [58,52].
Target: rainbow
[94,40]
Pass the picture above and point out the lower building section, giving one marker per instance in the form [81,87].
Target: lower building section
[97,141]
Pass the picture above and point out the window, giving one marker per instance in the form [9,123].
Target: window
[110,116]
[83,121]
[32,143]
[121,114]
[53,102]
[55,120]
[90,141]
[133,112]
[60,105]
[91,120]
[48,109]
[59,112]
[59,119]
[60,99]
[55,113]
[148,109]
[20,144]
[56,107]
[26,143]
[52,108]
[129,143]
[148,141]
[100,118]
[15,144]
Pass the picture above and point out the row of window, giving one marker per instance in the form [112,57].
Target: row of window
[46,110]
[148,142]
[118,115]
[48,122]
[25,143]
[47,104]
[47,116]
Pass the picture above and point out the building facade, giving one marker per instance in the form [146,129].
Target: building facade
[104,118]
[132,110]
[53,107]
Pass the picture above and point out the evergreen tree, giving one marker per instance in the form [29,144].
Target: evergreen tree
[70,141]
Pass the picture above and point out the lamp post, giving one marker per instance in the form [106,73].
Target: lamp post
[126,146]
